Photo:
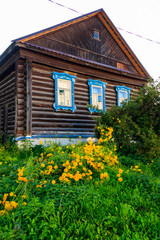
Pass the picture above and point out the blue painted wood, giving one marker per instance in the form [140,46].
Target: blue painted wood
[92,83]
[66,77]
[122,88]
[51,136]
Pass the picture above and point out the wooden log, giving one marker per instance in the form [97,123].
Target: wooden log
[0,120]
[16,99]
[5,124]
[29,98]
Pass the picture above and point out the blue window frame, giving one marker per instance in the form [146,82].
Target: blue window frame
[123,94]
[96,95]
[64,91]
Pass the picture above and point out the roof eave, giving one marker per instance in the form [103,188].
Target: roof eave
[122,43]
[61,55]
[7,52]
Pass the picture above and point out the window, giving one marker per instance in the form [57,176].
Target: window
[96,34]
[64,91]
[97,95]
[123,94]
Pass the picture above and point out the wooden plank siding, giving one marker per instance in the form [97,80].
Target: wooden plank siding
[78,40]
[7,96]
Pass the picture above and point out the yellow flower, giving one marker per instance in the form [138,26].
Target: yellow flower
[55,167]
[20,174]
[53,182]
[41,142]
[8,206]
[11,194]
[120,179]
[120,170]
[2,212]
[22,179]
[136,167]
[42,165]
[14,204]
[101,175]
[106,174]
[0,163]
[24,203]
[24,196]
[118,175]
[49,154]
[80,137]
[5,197]
[139,170]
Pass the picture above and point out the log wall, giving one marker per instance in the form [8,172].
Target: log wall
[21,98]
[46,121]
[7,96]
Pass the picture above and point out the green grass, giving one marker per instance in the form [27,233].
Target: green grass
[85,209]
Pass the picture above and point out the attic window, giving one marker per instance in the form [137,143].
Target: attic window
[96,34]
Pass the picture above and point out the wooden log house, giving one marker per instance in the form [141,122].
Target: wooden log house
[48,78]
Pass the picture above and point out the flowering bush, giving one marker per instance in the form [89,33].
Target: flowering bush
[136,124]
[81,191]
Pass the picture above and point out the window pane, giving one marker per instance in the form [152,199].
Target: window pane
[94,99]
[64,92]
[68,98]
[96,34]
[61,97]
[97,90]
[123,94]
[100,105]
[99,98]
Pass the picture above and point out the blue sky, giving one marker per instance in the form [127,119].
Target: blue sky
[142,17]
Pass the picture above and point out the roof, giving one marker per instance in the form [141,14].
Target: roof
[58,26]
[109,26]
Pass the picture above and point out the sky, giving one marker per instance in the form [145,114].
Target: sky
[140,17]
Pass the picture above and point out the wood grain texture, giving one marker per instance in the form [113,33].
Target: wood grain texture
[28,98]
[7,98]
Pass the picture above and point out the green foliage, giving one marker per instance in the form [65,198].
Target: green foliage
[136,124]
[85,209]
